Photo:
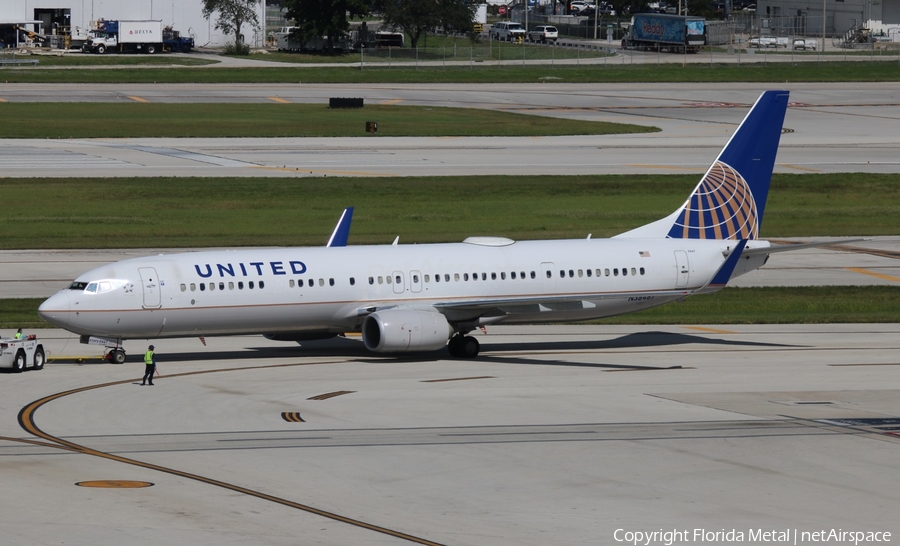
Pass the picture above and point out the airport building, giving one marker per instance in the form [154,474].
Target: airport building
[860,20]
[73,18]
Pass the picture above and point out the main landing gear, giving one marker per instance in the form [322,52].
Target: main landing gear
[461,346]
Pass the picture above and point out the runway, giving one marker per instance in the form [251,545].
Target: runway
[557,434]
[830,127]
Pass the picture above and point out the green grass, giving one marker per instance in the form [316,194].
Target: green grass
[789,305]
[184,212]
[133,119]
[782,305]
[117,60]
[808,71]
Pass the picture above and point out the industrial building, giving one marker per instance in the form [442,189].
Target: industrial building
[861,20]
[73,18]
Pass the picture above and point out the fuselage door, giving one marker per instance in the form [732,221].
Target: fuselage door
[398,283]
[684,272]
[549,283]
[150,284]
[415,281]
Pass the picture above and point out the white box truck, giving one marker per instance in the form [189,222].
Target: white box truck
[125,37]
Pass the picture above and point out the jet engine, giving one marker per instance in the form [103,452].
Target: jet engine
[401,330]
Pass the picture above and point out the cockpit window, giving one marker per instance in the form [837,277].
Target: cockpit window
[97,287]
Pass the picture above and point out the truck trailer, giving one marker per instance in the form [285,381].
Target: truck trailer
[135,37]
[657,31]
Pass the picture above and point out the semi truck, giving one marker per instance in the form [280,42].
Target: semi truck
[657,31]
[135,37]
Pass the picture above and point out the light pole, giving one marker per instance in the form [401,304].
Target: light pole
[823,25]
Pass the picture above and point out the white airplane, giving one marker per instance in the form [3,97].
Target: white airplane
[422,297]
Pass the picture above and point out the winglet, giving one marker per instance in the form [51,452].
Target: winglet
[342,230]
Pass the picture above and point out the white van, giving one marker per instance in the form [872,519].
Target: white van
[507,30]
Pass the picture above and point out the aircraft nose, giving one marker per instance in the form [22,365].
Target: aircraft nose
[55,309]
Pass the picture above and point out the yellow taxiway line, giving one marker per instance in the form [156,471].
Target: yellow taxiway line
[882,276]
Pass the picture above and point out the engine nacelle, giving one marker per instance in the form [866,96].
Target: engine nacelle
[401,330]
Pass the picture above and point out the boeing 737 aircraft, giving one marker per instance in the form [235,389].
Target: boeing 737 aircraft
[425,296]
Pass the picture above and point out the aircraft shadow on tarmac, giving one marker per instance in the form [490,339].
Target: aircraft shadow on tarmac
[491,352]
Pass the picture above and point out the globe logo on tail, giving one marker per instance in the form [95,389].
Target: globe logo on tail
[722,207]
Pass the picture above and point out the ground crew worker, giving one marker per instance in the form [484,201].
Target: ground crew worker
[19,334]
[150,365]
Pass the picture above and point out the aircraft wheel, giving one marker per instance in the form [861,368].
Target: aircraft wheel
[454,346]
[39,359]
[469,347]
[117,356]
[19,362]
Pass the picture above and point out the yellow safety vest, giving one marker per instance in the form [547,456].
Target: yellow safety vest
[19,336]
[148,358]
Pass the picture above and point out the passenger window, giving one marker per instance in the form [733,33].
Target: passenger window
[455,277]
[249,285]
[642,271]
[371,280]
[202,286]
[571,273]
[512,275]
[193,287]
[465,276]
[240,285]
[633,271]
[598,271]
[415,278]
[624,271]
[532,275]
[212,286]
[388,279]
[562,274]
[183,287]
[616,272]
[580,273]
[262,284]
[588,272]
[321,282]
[484,276]
[398,279]
[231,286]
[493,276]
[291,283]
[502,275]
[221,286]
[330,282]
[447,277]
[606,271]
[380,279]
[437,278]
[352,281]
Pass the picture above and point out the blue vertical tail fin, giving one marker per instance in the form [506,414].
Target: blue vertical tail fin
[730,199]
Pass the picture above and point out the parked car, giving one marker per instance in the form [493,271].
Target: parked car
[543,34]
[576,6]
[508,31]
[750,9]
[769,41]
[804,44]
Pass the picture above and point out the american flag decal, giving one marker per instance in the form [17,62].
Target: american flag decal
[722,207]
